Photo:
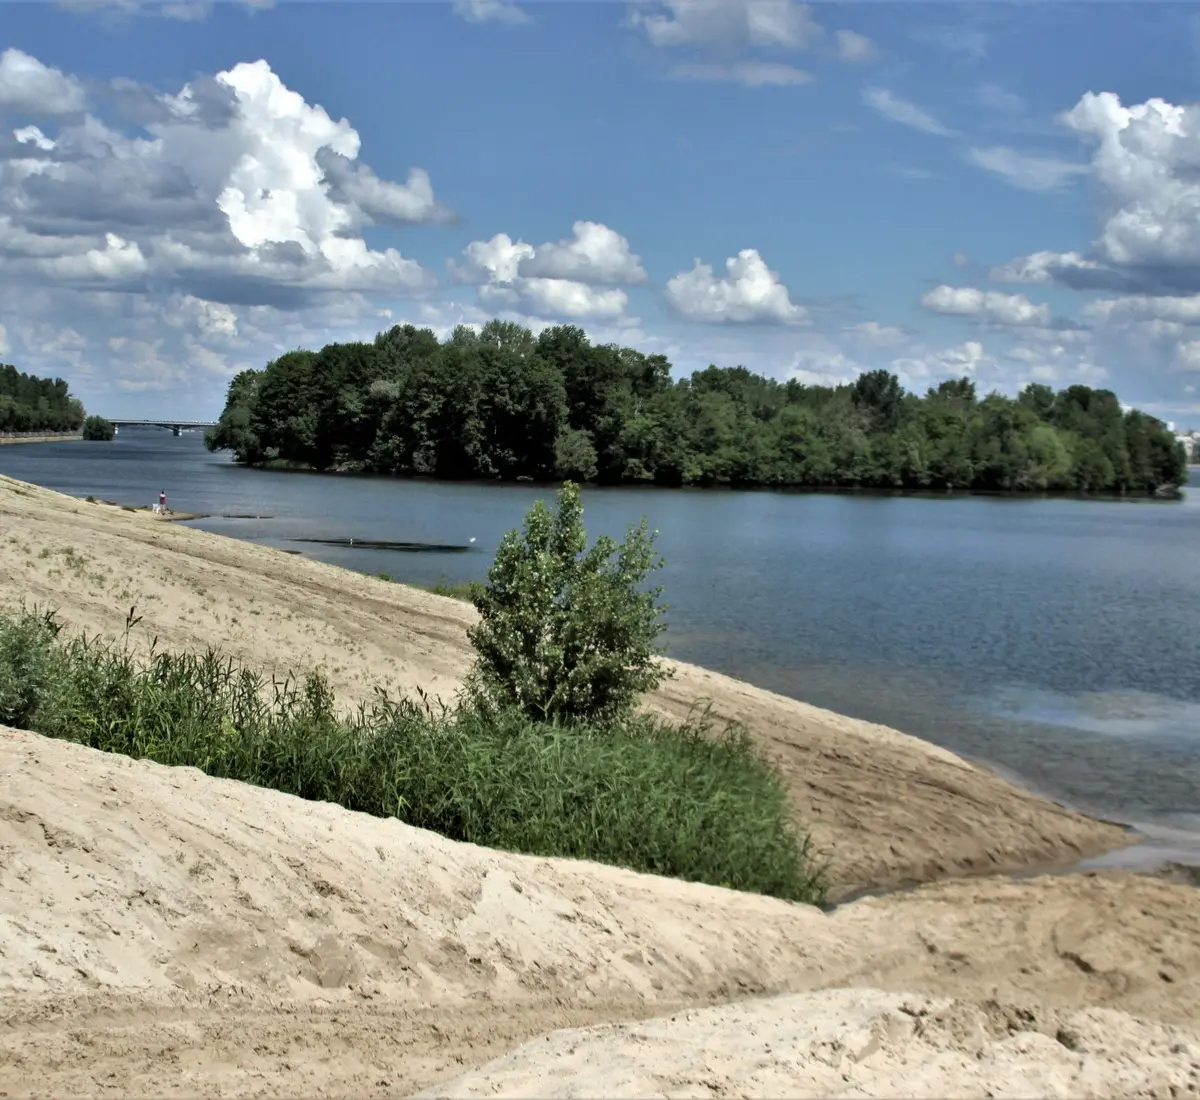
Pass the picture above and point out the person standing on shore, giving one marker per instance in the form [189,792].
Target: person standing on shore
[162,501]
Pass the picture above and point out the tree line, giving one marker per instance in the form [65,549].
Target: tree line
[32,404]
[505,404]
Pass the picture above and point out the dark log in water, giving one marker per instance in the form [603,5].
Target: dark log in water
[403,547]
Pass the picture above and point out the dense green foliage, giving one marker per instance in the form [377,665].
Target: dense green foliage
[637,793]
[99,429]
[32,404]
[505,404]
[567,634]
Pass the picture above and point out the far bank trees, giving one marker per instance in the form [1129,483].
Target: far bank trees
[504,404]
[32,404]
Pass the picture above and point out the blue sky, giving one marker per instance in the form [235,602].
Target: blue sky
[1008,191]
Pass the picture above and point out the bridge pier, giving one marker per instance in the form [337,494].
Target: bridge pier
[176,430]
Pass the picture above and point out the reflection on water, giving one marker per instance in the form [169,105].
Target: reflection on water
[1056,640]
[1110,713]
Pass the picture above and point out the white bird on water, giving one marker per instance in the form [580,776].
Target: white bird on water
[471,539]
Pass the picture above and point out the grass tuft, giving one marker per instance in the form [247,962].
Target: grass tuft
[464,591]
[680,801]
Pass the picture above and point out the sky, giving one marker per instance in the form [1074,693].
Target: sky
[1006,191]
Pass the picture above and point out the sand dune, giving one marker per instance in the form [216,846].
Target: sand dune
[163,933]
[848,1042]
[890,809]
[167,934]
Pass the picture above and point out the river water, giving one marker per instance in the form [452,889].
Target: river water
[1057,640]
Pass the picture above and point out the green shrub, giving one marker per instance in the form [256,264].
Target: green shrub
[465,591]
[28,664]
[567,633]
[97,428]
[634,792]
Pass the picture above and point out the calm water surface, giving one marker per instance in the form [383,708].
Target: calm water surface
[1057,640]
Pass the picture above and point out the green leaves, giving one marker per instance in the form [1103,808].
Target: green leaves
[32,404]
[96,428]
[502,404]
[567,633]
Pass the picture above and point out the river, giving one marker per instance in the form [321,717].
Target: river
[1057,640]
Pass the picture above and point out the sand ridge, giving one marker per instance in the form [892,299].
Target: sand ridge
[164,933]
[891,810]
[848,1042]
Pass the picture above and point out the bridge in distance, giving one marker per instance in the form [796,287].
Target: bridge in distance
[178,427]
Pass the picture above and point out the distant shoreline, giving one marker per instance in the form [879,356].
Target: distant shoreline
[1166,495]
[6,439]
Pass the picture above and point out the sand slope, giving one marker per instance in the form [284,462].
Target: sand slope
[167,934]
[849,1042]
[891,810]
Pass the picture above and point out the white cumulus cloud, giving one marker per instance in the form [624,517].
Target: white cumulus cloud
[933,365]
[749,293]
[1045,267]
[490,11]
[569,298]
[495,261]
[580,276]
[210,319]
[727,23]
[594,254]
[241,191]
[1057,364]
[27,87]
[1143,164]
[823,367]
[986,305]
[1179,309]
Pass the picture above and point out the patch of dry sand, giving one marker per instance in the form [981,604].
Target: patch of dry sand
[849,1042]
[167,934]
[890,809]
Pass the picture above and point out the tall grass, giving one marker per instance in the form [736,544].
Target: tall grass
[672,800]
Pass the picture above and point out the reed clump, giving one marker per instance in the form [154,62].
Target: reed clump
[681,800]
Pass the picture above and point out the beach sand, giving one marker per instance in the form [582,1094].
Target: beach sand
[167,934]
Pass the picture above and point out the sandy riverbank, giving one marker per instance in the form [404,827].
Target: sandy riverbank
[890,809]
[166,934]
[6,439]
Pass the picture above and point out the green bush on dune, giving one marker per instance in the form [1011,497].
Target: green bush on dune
[544,753]
[566,633]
